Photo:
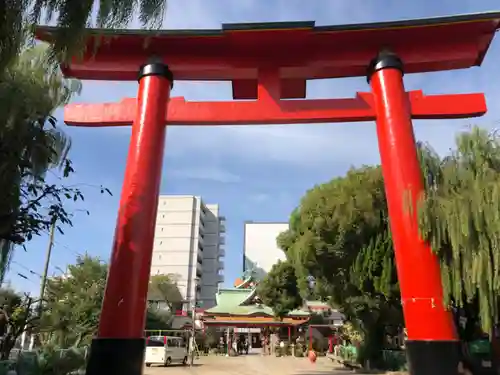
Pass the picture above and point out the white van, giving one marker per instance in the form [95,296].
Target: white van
[164,350]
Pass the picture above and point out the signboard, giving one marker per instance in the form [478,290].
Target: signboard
[247,330]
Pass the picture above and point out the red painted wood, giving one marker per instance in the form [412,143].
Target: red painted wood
[360,108]
[300,53]
[418,267]
[270,65]
[123,309]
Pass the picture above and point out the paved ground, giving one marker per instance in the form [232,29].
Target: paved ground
[250,365]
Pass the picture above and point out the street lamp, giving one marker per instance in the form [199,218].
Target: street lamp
[193,321]
[311,283]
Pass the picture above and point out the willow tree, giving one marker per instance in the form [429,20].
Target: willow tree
[30,144]
[460,217]
[18,16]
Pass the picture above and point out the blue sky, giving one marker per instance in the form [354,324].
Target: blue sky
[254,173]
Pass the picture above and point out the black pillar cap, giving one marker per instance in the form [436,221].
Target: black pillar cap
[384,60]
[157,69]
[433,357]
[116,356]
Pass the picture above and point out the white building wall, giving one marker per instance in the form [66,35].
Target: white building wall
[183,242]
[260,246]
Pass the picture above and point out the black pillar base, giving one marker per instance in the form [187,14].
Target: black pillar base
[116,357]
[433,357]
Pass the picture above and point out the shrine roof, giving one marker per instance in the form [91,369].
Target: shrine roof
[234,301]
[254,320]
[232,297]
[248,310]
[299,50]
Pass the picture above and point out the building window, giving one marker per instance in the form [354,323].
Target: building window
[159,256]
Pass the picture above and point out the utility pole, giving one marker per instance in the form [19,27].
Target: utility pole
[43,283]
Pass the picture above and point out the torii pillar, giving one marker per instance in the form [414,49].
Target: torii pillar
[432,346]
[269,63]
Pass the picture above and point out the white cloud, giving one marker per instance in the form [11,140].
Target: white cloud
[259,197]
[209,173]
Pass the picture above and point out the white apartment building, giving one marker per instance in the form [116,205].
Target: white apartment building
[260,251]
[189,243]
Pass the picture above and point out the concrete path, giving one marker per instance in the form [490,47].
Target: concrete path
[250,365]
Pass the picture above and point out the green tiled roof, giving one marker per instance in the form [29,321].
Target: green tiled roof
[233,301]
[232,297]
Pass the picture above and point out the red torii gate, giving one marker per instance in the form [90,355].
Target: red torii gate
[267,63]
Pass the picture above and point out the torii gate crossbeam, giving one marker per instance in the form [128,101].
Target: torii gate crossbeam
[361,108]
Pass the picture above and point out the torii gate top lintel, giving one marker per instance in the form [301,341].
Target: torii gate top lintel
[298,50]
[272,61]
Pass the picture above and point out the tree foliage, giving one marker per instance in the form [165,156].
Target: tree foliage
[164,298]
[157,320]
[19,16]
[279,289]
[460,216]
[17,314]
[164,288]
[30,145]
[72,303]
[339,236]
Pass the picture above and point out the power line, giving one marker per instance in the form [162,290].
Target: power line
[56,268]
[26,277]
[25,268]
[68,248]
[78,254]
[62,269]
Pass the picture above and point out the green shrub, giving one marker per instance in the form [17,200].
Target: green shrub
[61,362]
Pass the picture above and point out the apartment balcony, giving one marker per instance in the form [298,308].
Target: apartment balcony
[220,278]
[222,240]
[221,252]
[199,268]
[221,265]
[201,239]
[222,228]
